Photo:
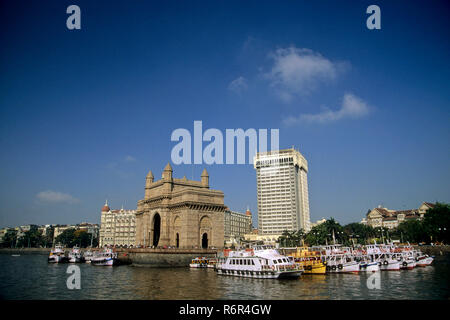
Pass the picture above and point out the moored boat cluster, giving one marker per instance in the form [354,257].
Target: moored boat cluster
[267,262]
[101,258]
[371,258]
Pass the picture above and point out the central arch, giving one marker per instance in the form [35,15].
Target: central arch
[205,231]
[205,241]
[156,225]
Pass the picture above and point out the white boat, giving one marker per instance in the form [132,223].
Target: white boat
[263,262]
[342,263]
[105,258]
[390,261]
[387,256]
[367,264]
[75,256]
[339,259]
[57,255]
[408,257]
[408,263]
[88,255]
[424,260]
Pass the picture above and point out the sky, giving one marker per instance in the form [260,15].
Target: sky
[85,114]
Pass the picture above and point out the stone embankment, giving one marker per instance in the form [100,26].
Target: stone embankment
[159,257]
[434,250]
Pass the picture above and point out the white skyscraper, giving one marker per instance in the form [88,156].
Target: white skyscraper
[282,184]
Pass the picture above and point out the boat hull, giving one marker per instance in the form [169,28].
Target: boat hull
[315,269]
[425,262]
[346,268]
[107,262]
[390,266]
[260,274]
[197,265]
[407,265]
[75,260]
[369,267]
[57,259]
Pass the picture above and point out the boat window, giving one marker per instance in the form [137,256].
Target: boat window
[274,261]
[280,261]
[253,262]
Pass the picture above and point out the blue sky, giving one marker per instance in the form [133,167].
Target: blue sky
[86,113]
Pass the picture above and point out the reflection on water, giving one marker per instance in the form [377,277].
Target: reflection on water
[31,277]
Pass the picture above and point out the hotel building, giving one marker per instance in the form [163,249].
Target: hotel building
[118,227]
[282,186]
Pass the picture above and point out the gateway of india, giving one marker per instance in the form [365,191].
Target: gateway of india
[180,213]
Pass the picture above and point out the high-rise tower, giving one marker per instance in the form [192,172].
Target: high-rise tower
[282,186]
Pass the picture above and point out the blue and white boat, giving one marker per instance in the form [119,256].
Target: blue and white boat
[105,258]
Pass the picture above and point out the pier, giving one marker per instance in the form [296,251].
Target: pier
[161,258]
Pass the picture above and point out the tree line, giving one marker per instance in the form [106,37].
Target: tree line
[34,238]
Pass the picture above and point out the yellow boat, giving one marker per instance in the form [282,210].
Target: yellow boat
[309,260]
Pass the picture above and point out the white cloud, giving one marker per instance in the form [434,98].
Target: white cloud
[351,107]
[298,71]
[130,159]
[238,85]
[56,197]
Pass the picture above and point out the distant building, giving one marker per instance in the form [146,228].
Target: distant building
[93,229]
[118,227]
[282,189]
[254,236]
[42,230]
[236,225]
[318,222]
[425,207]
[383,217]
[2,233]
[22,229]
[60,229]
